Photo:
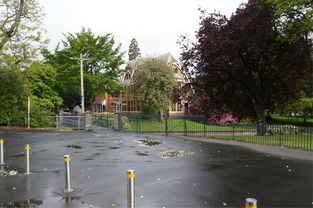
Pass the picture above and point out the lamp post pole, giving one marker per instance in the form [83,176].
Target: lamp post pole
[82,84]
[81,59]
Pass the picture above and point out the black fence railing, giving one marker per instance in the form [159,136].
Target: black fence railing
[287,136]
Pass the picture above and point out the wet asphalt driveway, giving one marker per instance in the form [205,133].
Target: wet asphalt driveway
[170,172]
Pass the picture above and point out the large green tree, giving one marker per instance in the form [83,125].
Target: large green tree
[20,27]
[13,94]
[42,80]
[101,70]
[154,82]
[293,17]
[20,38]
[242,66]
[133,51]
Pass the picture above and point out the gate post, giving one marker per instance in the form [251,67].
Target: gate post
[117,121]
[88,121]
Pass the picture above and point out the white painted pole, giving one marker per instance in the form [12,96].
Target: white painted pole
[67,160]
[27,148]
[1,152]
[130,189]
[82,84]
[251,203]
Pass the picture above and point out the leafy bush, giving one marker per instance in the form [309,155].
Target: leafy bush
[283,130]
[125,123]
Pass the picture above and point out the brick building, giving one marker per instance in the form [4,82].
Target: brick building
[127,104]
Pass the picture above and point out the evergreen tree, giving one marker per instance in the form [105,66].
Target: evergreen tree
[133,51]
[154,82]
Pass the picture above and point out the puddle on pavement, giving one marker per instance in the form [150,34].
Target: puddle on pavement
[148,142]
[74,146]
[174,153]
[19,155]
[23,133]
[22,204]
[71,198]
[213,167]
[142,153]
[99,142]
[102,135]
[114,147]
[50,134]
[7,172]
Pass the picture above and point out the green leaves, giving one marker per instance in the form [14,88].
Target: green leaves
[294,17]
[42,79]
[154,81]
[133,51]
[101,70]
[13,93]
[20,27]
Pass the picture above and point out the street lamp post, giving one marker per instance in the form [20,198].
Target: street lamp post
[81,59]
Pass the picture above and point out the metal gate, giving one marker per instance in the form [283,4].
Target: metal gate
[103,120]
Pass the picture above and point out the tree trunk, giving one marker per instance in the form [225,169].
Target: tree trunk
[260,114]
[161,119]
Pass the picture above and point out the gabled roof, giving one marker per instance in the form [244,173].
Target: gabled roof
[168,57]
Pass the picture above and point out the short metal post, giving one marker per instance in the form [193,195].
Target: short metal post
[57,121]
[251,203]
[185,126]
[78,122]
[130,189]
[233,132]
[27,148]
[137,125]
[67,160]
[1,152]
[166,126]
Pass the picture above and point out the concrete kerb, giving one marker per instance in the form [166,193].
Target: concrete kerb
[274,150]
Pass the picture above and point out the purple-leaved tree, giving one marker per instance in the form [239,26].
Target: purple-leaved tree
[242,66]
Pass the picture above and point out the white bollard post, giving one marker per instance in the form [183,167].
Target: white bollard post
[27,148]
[251,203]
[67,160]
[1,152]
[130,189]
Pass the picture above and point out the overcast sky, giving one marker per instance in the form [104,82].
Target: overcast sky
[156,24]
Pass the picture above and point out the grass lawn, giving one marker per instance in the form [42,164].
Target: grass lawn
[294,141]
[179,125]
[222,132]
[283,120]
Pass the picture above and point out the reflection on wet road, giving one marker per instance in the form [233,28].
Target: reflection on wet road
[170,172]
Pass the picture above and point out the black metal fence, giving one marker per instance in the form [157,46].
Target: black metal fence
[63,121]
[287,136]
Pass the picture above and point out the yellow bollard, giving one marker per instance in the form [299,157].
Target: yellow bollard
[130,189]
[251,203]
[27,148]
[68,187]
[1,152]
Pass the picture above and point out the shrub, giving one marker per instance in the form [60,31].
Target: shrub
[125,123]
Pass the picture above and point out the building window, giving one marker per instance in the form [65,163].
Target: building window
[124,105]
[127,76]
[173,107]
[179,106]
[114,95]
[131,89]
[113,107]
